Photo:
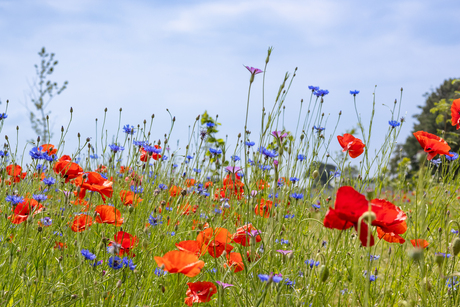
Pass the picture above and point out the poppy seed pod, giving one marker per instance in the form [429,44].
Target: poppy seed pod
[456,246]
[315,174]
[439,259]
[323,273]
[416,254]
[131,209]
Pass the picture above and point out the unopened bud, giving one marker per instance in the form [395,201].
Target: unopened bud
[456,246]
[323,273]
[315,174]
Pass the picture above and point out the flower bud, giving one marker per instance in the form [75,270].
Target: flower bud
[315,174]
[416,254]
[456,246]
[323,273]
[368,217]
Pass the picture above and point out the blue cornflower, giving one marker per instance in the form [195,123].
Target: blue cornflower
[88,255]
[4,153]
[297,196]
[49,181]
[57,233]
[154,221]
[263,277]
[40,197]
[35,153]
[294,179]
[287,216]
[277,278]
[189,157]
[372,278]
[210,124]
[354,93]
[374,257]
[268,153]
[311,263]
[316,206]
[265,167]
[136,189]
[215,151]
[453,158]
[452,282]
[236,158]
[3,116]
[289,282]
[197,170]
[436,161]
[115,148]
[344,291]
[320,93]
[140,143]
[128,263]
[319,129]
[14,200]
[115,263]
[301,157]
[284,241]
[218,211]
[159,272]
[313,88]
[175,165]
[41,167]
[96,263]
[271,195]
[443,254]
[94,157]
[394,123]
[46,221]
[129,130]
[250,144]
[162,186]
[336,173]
[454,231]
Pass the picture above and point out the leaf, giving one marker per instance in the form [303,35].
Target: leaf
[439,118]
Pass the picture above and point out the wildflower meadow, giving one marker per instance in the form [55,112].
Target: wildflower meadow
[125,220]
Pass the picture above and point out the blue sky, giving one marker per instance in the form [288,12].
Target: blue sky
[187,56]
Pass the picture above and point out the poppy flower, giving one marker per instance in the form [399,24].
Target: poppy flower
[109,215]
[350,205]
[48,148]
[420,243]
[15,171]
[96,183]
[208,184]
[432,144]
[174,191]
[60,245]
[235,262]
[80,222]
[191,246]
[199,292]
[244,234]
[23,209]
[126,242]
[264,208]
[180,262]
[67,169]
[216,240]
[455,113]
[145,154]
[101,169]
[129,197]
[354,146]
[261,184]
[190,182]
[390,237]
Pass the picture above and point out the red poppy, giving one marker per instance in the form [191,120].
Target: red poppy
[80,222]
[67,169]
[101,169]
[208,184]
[390,237]
[190,182]
[432,144]
[22,210]
[455,112]
[243,235]
[109,215]
[264,208]
[199,292]
[354,146]
[420,243]
[351,205]
[129,197]
[14,171]
[174,191]
[145,155]
[96,183]
[60,245]
[261,184]
[48,148]
[126,242]
[191,246]
[216,240]
[180,262]
[235,262]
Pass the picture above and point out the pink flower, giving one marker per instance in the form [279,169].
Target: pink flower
[279,135]
[253,71]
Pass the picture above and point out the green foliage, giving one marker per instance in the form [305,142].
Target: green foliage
[41,93]
[434,118]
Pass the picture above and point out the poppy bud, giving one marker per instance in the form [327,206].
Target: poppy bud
[456,246]
[131,209]
[368,217]
[439,259]
[121,109]
[323,273]
[119,283]
[315,174]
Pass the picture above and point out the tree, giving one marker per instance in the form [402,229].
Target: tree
[42,91]
[434,118]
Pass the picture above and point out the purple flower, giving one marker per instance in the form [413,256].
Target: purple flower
[313,88]
[284,252]
[279,135]
[223,285]
[253,71]
[354,93]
